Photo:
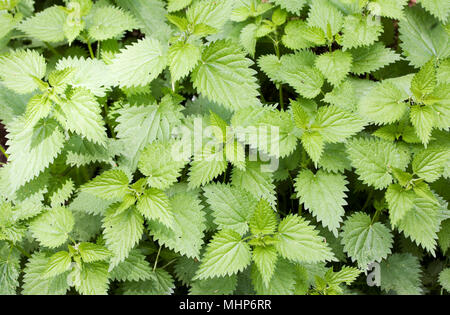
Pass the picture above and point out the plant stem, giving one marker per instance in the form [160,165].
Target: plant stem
[375,216]
[98,50]
[52,49]
[91,52]
[157,257]
[369,198]
[280,86]
[2,149]
[20,249]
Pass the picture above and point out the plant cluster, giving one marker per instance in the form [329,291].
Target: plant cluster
[224,147]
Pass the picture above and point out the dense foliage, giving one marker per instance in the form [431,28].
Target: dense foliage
[225,147]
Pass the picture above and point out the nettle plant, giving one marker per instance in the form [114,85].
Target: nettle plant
[224,147]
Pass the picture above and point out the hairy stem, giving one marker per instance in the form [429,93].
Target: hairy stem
[157,257]
[2,149]
[91,52]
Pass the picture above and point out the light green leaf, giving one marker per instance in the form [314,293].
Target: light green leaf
[364,241]
[401,273]
[186,235]
[422,37]
[52,228]
[47,25]
[110,185]
[226,254]
[92,279]
[81,113]
[400,201]
[335,66]
[140,63]
[160,164]
[224,76]
[90,252]
[384,103]
[20,69]
[265,259]
[371,58]
[134,268]
[429,164]
[105,22]
[300,242]
[122,231]
[374,160]
[58,263]
[183,57]
[154,204]
[360,31]
[231,207]
[263,220]
[323,194]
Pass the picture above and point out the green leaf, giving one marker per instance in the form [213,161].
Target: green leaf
[212,13]
[186,235]
[140,63]
[214,286]
[360,31]
[444,279]
[265,129]
[90,252]
[401,273]
[110,185]
[183,57]
[282,282]
[92,279]
[122,231]
[257,180]
[20,69]
[293,6]
[422,223]
[400,201]
[298,241]
[313,144]
[387,8]
[151,14]
[160,283]
[224,76]
[134,268]
[263,221]
[336,125]
[91,74]
[226,254]
[231,207]
[422,38]
[424,81]
[177,5]
[9,270]
[374,159]
[206,166]
[326,16]
[364,241]
[139,126]
[59,263]
[323,194]
[439,9]
[105,22]
[52,228]
[265,259]
[35,284]
[154,204]
[423,120]
[47,25]
[384,103]
[335,66]
[160,164]
[81,113]
[248,38]
[429,164]
[371,58]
